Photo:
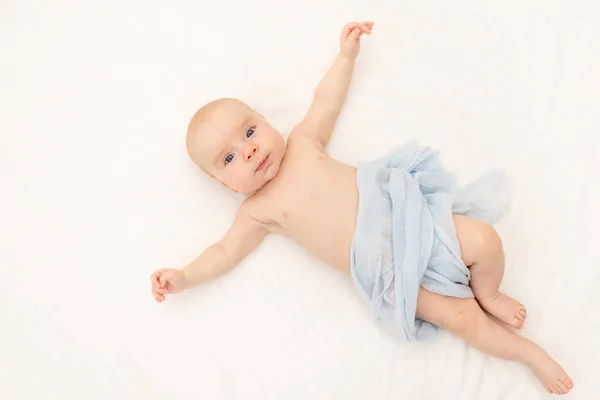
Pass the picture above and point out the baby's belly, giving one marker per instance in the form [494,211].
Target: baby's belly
[325,225]
[331,247]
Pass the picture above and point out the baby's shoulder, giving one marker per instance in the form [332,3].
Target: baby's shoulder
[299,142]
[261,206]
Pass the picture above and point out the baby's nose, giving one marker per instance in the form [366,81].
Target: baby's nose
[250,151]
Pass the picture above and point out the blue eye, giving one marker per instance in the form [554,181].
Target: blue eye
[250,132]
[229,158]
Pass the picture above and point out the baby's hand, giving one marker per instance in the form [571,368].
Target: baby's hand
[167,281]
[350,39]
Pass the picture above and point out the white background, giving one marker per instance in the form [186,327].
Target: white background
[97,191]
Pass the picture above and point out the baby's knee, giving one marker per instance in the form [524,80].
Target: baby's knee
[465,320]
[491,241]
[478,239]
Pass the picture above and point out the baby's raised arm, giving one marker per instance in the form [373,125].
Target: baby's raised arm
[244,236]
[331,91]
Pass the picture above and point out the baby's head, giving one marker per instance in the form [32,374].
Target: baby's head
[235,145]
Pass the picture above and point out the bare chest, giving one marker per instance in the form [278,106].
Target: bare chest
[315,202]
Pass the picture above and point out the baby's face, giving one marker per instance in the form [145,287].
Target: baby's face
[238,147]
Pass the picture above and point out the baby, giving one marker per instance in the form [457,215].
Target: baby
[393,225]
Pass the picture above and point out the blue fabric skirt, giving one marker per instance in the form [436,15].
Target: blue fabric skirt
[405,236]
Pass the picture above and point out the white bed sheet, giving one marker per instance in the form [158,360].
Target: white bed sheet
[98,191]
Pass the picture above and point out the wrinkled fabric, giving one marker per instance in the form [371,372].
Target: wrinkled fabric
[405,236]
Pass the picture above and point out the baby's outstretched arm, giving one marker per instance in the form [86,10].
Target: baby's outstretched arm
[331,92]
[244,236]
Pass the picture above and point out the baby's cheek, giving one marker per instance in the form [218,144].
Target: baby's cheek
[243,183]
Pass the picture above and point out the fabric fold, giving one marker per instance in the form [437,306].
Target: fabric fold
[405,236]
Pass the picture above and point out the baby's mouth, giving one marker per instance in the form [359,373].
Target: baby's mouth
[263,163]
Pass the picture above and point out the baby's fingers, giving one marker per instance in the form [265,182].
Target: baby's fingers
[155,277]
[164,279]
[158,297]
[349,28]
[366,27]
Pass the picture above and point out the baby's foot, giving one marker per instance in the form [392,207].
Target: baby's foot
[550,374]
[507,310]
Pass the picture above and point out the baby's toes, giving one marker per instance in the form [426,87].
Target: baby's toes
[562,388]
[516,323]
[567,382]
[523,312]
[555,388]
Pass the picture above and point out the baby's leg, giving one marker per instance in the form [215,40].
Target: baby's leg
[464,318]
[482,252]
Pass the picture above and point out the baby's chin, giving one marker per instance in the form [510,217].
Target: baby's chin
[246,188]
[258,185]
[254,188]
